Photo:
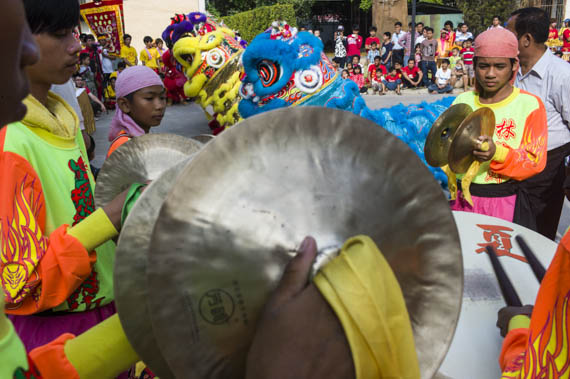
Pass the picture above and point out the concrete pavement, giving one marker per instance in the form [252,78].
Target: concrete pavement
[189,120]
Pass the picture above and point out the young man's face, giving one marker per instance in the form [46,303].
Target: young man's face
[127,42]
[493,73]
[376,61]
[147,107]
[429,34]
[411,64]
[419,29]
[464,28]
[425,33]
[58,57]
[20,51]
[79,82]
[397,28]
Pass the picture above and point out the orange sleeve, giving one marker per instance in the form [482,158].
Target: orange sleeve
[530,158]
[37,271]
[513,351]
[117,143]
[51,361]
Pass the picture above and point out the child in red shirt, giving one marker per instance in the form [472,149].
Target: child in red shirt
[376,66]
[392,82]
[354,43]
[467,55]
[372,38]
[412,75]
[376,81]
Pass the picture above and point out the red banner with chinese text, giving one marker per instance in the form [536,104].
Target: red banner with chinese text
[106,18]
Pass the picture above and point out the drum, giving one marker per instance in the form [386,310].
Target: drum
[476,346]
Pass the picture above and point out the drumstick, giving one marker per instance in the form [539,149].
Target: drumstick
[509,293]
[534,263]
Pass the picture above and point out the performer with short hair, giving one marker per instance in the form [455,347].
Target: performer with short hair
[517,150]
[56,253]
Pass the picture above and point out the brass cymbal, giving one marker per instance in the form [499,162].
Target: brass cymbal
[131,292]
[242,206]
[441,134]
[139,160]
[479,123]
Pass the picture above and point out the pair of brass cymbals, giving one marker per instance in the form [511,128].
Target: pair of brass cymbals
[207,241]
[454,136]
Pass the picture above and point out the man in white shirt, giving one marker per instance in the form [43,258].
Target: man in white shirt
[463,34]
[397,50]
[442,79]
[548,77]
[496,23]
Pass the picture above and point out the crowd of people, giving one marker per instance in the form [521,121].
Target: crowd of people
[98,69]
[57,250]
[390,63]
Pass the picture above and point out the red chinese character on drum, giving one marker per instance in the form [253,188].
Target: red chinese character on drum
[499,238]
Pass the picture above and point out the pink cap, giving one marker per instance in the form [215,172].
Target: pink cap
[134,78]
[497,43]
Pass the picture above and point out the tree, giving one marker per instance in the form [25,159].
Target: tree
[478,14]
[222,8]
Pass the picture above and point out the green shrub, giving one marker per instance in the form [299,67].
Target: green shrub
[256,21]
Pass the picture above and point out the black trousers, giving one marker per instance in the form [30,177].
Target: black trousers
[546,192]
[398,56]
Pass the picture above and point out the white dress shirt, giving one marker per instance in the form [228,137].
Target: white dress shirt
[549,79]
[396,40]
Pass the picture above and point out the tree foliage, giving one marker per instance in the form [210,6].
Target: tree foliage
[254,22]
[223,8]
[478,14]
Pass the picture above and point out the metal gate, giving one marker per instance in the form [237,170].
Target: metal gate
[554,8]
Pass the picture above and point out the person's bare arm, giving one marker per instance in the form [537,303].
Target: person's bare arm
[95,99]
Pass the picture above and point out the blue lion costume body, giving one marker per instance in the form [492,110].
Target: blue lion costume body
[294,71]
[282,68]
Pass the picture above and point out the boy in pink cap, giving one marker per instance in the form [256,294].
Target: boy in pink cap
[141,103]
[517,150]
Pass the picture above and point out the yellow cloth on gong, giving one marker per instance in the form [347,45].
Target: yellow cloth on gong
[366,297]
